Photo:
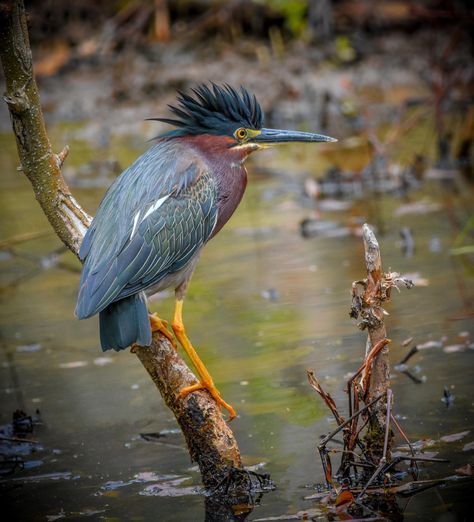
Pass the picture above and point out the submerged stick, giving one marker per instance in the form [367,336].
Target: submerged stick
[210,441]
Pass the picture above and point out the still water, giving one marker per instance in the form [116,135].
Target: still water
[264,305]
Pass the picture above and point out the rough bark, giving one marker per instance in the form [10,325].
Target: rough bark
[374,297]
[211,443]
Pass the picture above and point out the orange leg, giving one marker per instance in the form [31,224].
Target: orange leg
[205,379]
[160,325]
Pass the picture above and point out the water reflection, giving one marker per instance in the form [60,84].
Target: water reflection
[273,304]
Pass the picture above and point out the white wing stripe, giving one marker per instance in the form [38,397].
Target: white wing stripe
[135,221]
[155,206]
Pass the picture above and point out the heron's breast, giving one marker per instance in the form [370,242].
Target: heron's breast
[231,188]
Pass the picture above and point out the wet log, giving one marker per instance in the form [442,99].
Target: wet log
[210,441]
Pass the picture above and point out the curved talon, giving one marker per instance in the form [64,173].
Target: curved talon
[160,325]
[214,394]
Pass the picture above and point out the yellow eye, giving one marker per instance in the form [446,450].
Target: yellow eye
[241,134]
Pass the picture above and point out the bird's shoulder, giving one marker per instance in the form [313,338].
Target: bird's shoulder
[169,170]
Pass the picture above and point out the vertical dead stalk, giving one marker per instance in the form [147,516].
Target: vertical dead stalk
[211,442]
[371,311]
[367,434]
[368,298]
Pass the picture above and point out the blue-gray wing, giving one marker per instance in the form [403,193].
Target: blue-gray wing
[138,238]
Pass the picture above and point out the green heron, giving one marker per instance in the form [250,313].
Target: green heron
[157,216]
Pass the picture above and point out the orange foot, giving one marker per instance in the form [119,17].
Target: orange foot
[209,386]
[160,325]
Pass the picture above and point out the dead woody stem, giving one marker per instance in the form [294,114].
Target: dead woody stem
[368,298]
[367,433]
[211,443]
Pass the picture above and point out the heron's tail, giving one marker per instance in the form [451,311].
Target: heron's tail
[125,322]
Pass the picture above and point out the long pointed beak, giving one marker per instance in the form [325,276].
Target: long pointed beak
[275,136]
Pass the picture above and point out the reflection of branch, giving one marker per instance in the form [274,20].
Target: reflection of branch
[22,238]
[210,441]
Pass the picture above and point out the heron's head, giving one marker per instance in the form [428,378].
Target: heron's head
[215,110]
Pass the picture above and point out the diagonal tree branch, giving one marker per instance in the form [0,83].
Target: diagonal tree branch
[210,441]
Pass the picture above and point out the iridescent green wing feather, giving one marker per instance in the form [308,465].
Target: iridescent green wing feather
[168,241]
[152,221]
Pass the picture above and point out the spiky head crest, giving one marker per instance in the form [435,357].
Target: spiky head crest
[215,109]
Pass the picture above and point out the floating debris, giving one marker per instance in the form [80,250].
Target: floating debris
[27,348]
[435,245]
[74,514]
[416,279]
[418,445]
[315,227]
[170,489]
[419,207]
[469,446]
[64,475]
[30,464]
[73,364]
[453,348]
[307,514]
[448,397]
[271,294]
[334,205]
[139,478]
[102,361]
[151,437]
[455,436]
[442,174]
[256,467]
[429,344]
[467,470]
[170,431]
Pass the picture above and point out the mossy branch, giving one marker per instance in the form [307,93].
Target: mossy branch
[210,441]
